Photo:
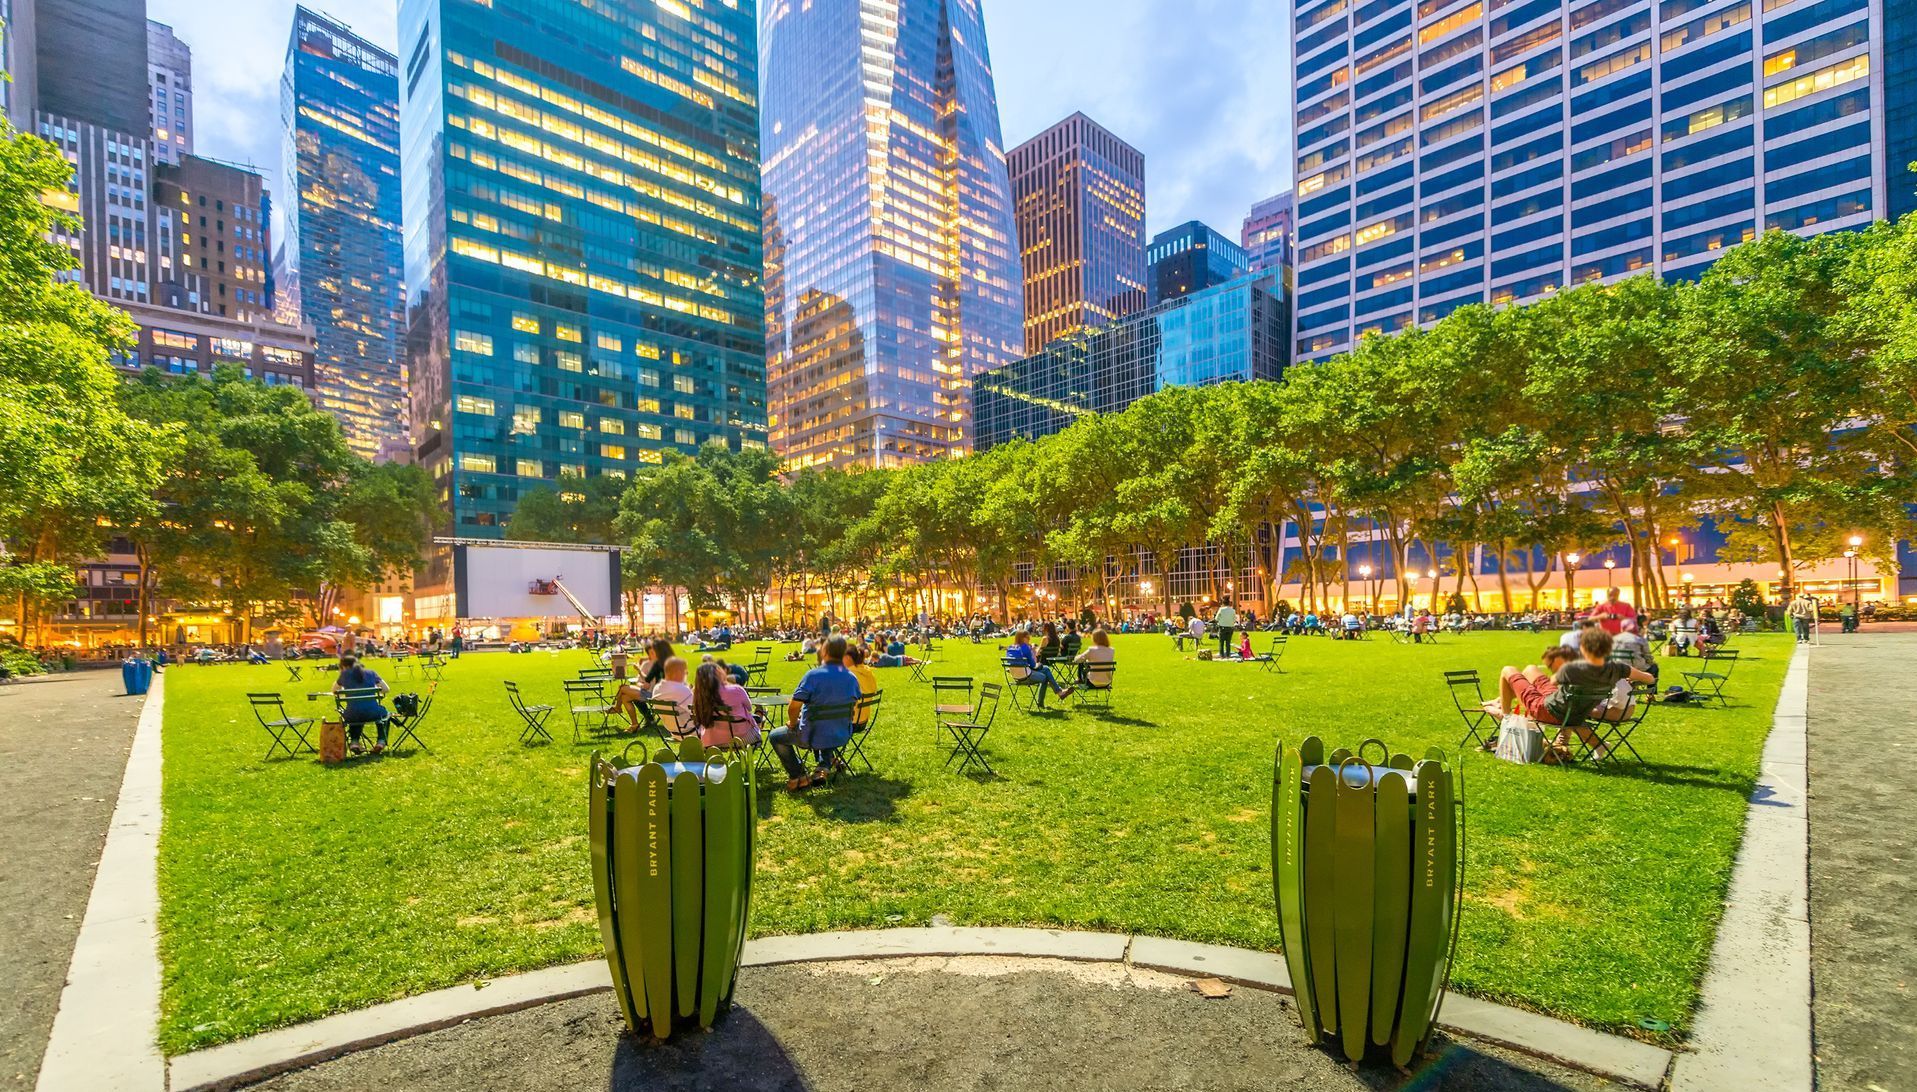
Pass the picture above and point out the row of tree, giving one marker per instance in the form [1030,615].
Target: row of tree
[235,495]
[1775,396]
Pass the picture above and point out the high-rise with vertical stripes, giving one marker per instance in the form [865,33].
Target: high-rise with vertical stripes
[1461,151]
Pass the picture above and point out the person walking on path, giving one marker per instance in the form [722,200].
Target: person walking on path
[1225,621]
[1803,612]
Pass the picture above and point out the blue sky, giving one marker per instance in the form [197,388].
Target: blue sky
[1200,86]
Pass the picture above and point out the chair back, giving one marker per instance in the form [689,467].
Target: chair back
[1581,701]
[357,693]
[1017,671]
[578,688]
[670,718]
[512,695]
[762,655]
[264,703]
[1456,681]
[951,686]
[1099,676]
[987,709]
[829,727]
[866,712]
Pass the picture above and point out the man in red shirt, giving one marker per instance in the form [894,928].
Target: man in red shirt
[1613,613]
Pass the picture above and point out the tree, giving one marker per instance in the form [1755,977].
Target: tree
[575,509]
[72,464]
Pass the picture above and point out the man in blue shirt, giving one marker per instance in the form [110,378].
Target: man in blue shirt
[819,718]
[1036,674]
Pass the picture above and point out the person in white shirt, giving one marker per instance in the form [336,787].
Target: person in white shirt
[1096,660]
[1196,630]
[1225,621]
[673,688]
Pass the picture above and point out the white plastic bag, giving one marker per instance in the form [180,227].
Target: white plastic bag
[1520,740]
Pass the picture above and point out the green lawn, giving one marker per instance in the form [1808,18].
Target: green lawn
[290,891]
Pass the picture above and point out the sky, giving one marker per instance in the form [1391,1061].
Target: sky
[1199,86]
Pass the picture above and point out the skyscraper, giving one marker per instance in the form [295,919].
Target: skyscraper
[17,63]
[212,240]
[1456,151]
[169,66]
[892,270]
[581,240]
[343,253]
[1191,257]
[1900,106]
[1267,235]
[1079,195]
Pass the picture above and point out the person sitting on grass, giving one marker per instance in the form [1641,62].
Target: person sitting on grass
[361,711]
[806,651]
[1036,674]
[828,685]
[1089,661]
[1244,645]
[895,656]
[722,710]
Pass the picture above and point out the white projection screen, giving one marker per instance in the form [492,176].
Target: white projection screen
[499,581]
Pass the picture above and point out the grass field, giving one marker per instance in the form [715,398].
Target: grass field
[290,890]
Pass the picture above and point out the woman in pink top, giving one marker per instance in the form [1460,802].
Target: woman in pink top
[722,709]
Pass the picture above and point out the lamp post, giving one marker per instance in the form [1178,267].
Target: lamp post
[1610,573]
[1364,573]
[1856,593]
[1687,588]
[1571,579]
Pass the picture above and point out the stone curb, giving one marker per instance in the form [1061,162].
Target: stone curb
[1752,1032]
[103,1037]
[249,1060]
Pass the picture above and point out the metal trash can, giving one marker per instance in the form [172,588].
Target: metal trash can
[672,843]
[137,674]
[1367,870]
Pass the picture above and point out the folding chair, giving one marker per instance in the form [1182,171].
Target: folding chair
[293,670]
[1270,659]
[864,716]
[829,758]
[1709,684]
[968,735]
[431,668]
[534,716]
[1477,722]
[755,673]
[951,697]
[270,711]
[927,657]
[1017,677]
[664,716]
[1094,687]
[589,707]
[1581,705]
[1615,735]
[408,723]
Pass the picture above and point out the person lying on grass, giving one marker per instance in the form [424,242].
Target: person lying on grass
[894,655]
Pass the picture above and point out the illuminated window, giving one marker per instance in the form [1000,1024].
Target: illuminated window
[1823,79]
[649,432]
[469,342]
[612,426]
[684,412]
[484,464]
[569,362]
[1462,17]
[612,451]
[524,323]
[683,384]
[467,403]
[567,333]
[530,468]
[526,419]
[572,419]
[609,343]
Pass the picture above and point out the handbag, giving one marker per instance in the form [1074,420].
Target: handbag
[1520,740]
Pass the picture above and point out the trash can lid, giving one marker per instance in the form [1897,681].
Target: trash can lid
[1362,775]
[714,772]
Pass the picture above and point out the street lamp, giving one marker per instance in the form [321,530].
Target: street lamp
[1687,578]
[1856,592]
[1610,572]
[1364,572]
[1571,579]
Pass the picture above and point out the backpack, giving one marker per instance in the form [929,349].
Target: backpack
[406,705]
[1677,695]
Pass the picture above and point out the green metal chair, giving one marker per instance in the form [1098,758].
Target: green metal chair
[591,712]
[270,711]
[534,716]
[1713,675]
[968,735]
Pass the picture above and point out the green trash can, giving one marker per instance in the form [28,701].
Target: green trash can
[672,843]
[1367,868]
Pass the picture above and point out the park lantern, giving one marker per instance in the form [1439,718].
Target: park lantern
[672,843]
[1367,869]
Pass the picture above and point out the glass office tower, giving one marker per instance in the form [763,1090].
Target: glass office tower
[1079,198]
[339,111]
[1189,258]
[892,268]
[1458,151]
[582,239]
[1229,332]
[1267,234]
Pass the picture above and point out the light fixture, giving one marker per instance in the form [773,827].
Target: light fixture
[1856,541]
[1574,557]
[1610,564]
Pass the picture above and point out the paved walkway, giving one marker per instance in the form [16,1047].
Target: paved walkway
[63,748]
[1863,882]
[927,1024]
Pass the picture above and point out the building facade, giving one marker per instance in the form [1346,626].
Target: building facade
[185,343]
[212,234]
[582,241]
[169,66]
[1455,151]
[1267,236]
[1078,193]
[343,265]
[1190,258]
[1230,332]
[17,64]
[892,269]
[1900,106]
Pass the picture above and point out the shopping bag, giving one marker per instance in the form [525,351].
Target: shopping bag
[1519,740]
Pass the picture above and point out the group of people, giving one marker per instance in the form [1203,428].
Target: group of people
[1603,653]
[1042,663]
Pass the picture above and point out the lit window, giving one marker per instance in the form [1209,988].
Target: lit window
[1823,79]
[572,419]
[484,464]
[530,468]
[612,426]
[612,451]
[469,342]
[467,403]
[567,333]
[525,324]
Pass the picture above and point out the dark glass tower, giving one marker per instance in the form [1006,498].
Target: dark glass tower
[1190,258]
[339,109]
[892,268]
[582,240]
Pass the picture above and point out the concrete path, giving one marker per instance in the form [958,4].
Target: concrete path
[928,1024]
[1863,864]
[63,748]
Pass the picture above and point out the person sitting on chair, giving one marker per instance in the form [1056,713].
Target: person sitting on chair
[829,684]
[722,710]
[359,712]
[1420,627]
[1071,642]
[1353,626]
[894,656]
[1631,647]
[1100,652]
[1037,674]
[855,658]
[1684,632]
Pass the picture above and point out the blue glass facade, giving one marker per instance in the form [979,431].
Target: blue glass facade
[1189,258]
[892,267]
[339,110]
[1233,331]
[582,240]
[1900,105]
